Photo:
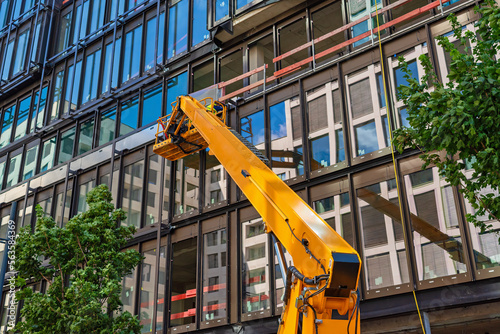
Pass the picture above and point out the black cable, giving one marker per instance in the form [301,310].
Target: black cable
[352,314]
[307,249]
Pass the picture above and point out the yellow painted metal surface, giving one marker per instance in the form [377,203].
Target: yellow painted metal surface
[284,213]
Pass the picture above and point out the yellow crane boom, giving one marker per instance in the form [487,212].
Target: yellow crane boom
[326,268]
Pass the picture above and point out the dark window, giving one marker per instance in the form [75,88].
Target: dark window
[231,66]
[324,205]
[37,118]
[86,136]
[325,20]
[317,114]
[176,86]
[213,261]
[203,76]
[320,152]
[183,294]
[66,145]
[380,90]
[291,37]
[23,112]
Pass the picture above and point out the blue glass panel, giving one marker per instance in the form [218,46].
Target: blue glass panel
[161,38]
[241,3]
[117,5]
[320,149]
[23,113]
[176,86]
[58,86]
[252,128]
[357,30]
[98,10]
[116,63]
[78,21]
[387,136]
[8,119]
[151,108]
[366,138]
[76,85]
[14,170]
[107,126]
[85,19]
[300,165]
[129,115]
[149,61]
[21,51]
[106,71]
[132,54]
[221,9]
[68,85]
[401,80]
[7,60]
[403,114]
[340,145]
[278,121]
[92,63]
[178,28]
[199,24]
[380,90]
[4,6]
[38,117]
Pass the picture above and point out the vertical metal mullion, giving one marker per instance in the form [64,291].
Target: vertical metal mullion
[199,275]
[267,127]
[202,184]
[138,283]
[112,62]
[5,51]
[228,266]
[168,277]
[157,34]
[144,187]
[272,279]
[33,39]
[239,265]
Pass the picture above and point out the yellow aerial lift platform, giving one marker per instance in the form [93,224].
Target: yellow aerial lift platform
[326,268]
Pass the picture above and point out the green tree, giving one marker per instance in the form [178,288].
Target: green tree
[84,271]
[461,118]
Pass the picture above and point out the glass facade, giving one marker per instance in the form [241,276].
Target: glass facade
[90,117]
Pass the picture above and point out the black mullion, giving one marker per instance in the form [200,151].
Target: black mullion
[199,275]
[144,188]
[344,117]
[305,126]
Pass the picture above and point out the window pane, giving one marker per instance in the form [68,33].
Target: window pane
[37,119]
[30,162]
[166,190]
[128,116]
[146,296]
[187,184]
[8,119]
[58,87]
[260,53]
[366,138]
[128,292]
[66,148]
[83,190]
[162,279]
[2,173]
[317,112]
[7,60]
[176,86]
[21,52]
[399,75]
[214,276]
[291,37]
[106,71]
[437,238]
[241,3]
[151,108]
[326,20]
[410,6]
[161,39]
[183,299]
[380,90]
[116,63]
[132,193]
[23,112]
[84,19]
[255,268]
[178,28]
[360,98]
[132,54]
[98,9]
[14,170]
[4,13]
[221,9]
[203,76]
[64,32]
[231,66]
[287,159]
[199,22]
[86,136]
[153,190]
[107,126]
[382,235]
[61,205]
[48,154]
[151,37]
[253,129]
[320,152]
[215,181]
[92,65]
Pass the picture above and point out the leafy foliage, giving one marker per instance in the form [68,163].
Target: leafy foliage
[83,268]
[461,118]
